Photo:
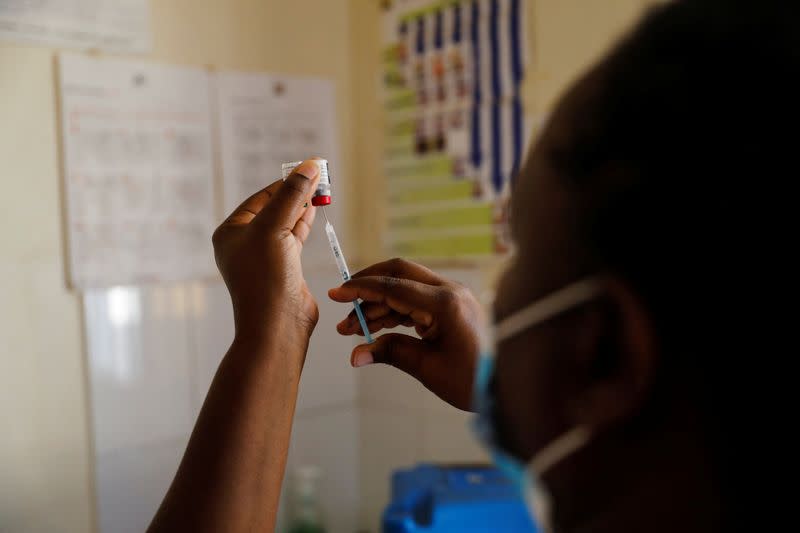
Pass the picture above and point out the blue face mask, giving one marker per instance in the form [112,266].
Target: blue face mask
[526,477]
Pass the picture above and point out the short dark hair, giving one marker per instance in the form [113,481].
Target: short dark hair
[688,133]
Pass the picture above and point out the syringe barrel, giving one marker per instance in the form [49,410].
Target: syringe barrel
[340,262]
[337,252]
[322,196]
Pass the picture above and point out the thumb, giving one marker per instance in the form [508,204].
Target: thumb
[286,205]
[407,353]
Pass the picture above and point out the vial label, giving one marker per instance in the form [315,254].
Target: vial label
[324,185]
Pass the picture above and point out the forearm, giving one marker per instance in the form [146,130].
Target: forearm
[231,473]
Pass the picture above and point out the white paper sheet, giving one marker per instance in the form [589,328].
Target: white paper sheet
[265,120]
[118,25]
[138,171]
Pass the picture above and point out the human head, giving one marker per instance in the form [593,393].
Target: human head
[650,173]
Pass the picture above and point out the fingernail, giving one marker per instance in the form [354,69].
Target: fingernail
[363,358]
[308,168]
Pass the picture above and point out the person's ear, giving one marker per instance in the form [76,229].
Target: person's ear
[615,359]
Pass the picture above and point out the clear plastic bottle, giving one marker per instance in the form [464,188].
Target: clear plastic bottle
[306,515]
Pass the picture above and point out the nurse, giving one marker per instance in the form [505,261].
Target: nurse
[612,388]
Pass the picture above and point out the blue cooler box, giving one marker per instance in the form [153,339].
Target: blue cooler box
[449,499]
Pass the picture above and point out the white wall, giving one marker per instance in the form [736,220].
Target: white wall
[46,449]
[152,354]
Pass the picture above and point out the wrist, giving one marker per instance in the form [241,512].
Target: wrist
[260,318]
[272,336]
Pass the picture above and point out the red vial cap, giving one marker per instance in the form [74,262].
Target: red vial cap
[320,201]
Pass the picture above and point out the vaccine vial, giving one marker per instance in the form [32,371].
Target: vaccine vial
[322,196]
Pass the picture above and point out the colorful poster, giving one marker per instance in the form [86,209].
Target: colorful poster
[454,123]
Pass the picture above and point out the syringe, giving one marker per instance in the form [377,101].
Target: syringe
[342,264]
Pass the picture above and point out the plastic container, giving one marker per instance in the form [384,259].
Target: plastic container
[450,499]
[306,513]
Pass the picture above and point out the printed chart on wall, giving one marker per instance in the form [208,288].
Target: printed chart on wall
[138,171]
[119,25]
[266,120]
[455,127]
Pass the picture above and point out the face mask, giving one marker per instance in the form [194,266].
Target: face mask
[526,477]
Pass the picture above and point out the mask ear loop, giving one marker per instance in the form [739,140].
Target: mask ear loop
[562,300]
[537,312]
[562,447]
[536,495]
[548,307]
